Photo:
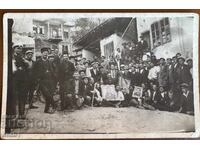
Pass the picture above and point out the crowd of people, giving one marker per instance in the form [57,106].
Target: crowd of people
[167,84]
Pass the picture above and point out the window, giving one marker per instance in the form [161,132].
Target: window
[65,49]
[66,34]
[165,30]
[41,30]
[35,29]
[108,49]
[54,33]
[160,32]
[146,37]
[59,32]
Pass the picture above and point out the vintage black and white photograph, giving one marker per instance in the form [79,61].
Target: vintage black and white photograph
[100,75]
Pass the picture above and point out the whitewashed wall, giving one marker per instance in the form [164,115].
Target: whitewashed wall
[117,41]
[87,54]
[181,36]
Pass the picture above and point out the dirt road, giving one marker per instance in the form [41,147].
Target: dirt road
[106,120]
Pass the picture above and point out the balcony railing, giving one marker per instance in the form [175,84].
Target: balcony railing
[55,37]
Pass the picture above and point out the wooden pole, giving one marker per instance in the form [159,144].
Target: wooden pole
[127,27]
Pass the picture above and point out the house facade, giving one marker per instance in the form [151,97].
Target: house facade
[167,36]
[53,34]
[106,38]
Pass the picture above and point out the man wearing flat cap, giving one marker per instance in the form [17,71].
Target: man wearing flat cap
[162,75]
[142,46]
[31,80]
[20,79]
[95,71]
[66,71]
[85,91]
[187,101]
[45,77]
[73,93]
[183,72]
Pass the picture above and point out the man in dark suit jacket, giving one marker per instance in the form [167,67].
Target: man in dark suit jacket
[102,75]
[163,76]
[86,91]
[95,71]
[142,46]
[183,71]
[73,91]
[79,92]
[66,71]
[175,67]
[187,101]
[20,80]
[143,74]
[114,73]
[155,96]
[135,77]
[170,74]
[31,83]
[172,101]
[45,76]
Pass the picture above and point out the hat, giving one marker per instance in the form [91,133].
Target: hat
[44,49]
[86,62]
[181,58]
[101,67]
[95,62]
[85,77]
[82,71]
[169,59]
[184,85]
[71,57]
[17,46]
[50,56]
[189,59]
[174,57]
[29,51]
[76,74]
[162,59]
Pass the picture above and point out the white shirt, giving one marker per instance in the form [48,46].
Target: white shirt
[118,54]
[119,96]
[191,72]
[153,97]
[186,94]
[87,72]
[153,72]
[14,67]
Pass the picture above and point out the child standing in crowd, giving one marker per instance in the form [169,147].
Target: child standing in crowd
[97,95]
